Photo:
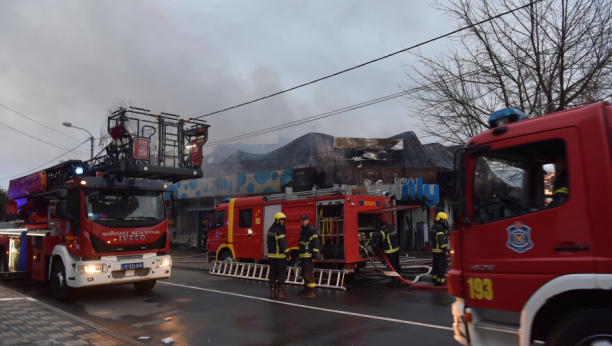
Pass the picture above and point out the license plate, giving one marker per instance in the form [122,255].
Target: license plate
[132,266]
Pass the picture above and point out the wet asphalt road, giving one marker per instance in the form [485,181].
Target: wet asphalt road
[213,310]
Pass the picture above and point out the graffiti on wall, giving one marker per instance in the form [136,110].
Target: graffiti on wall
[241,184]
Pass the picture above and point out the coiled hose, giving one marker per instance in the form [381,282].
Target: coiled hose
[426,287]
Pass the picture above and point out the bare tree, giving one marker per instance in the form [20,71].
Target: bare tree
[550,56]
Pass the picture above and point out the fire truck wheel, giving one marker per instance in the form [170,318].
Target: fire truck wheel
[226,256]
[144,286]
[2,259]
[61,291]
[591,327]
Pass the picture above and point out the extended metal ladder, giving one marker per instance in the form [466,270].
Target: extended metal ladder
[324,278]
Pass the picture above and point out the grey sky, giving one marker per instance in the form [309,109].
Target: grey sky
[73,60]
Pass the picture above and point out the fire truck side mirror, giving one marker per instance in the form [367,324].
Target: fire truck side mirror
[61,194]
[60,205]
[459,208]
[173,196]
[175,208]
[60,209]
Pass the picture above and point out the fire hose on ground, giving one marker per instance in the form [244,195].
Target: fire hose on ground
[400,275]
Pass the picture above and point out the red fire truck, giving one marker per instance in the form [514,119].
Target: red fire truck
[100,222]
[532,253]
[237,229]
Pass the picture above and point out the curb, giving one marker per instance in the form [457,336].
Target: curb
[99,328]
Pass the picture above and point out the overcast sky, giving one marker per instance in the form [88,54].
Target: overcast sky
[73,60]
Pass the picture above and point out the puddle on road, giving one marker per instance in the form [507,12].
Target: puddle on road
[151,323]
[114,309]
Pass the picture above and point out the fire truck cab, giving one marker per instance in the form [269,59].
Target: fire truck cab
[238,228]
[532,255]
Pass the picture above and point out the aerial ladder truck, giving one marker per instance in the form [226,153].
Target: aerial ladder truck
[103,221]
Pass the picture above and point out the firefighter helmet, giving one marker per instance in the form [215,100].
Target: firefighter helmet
[442,217]
[279,216]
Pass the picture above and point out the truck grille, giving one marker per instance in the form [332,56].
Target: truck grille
[120,274]
[128,257]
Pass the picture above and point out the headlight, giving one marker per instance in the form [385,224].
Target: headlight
[92,268]
[164,262]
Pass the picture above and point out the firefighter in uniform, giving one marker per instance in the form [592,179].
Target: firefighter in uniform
[279,254]
[561,184]
[309,248]
[439,249]
[390,245]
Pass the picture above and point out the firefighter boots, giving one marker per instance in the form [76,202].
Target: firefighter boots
[308,292]
[272,291]
[281,293]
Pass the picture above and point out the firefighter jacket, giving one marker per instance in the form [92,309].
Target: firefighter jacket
[438,241]
[277,243]
[390,243]
[560,190]
[309,242]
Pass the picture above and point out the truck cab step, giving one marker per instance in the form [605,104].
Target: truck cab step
[504,327]
[14,275]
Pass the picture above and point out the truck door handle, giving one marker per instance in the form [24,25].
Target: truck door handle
[572,248]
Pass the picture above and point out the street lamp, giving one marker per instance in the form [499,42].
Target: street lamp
[91,137]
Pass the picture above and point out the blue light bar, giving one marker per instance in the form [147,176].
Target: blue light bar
[78,170]
[506,116]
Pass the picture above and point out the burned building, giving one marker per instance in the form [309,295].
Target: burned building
[316,161]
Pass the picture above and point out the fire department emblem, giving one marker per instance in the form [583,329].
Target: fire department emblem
[519,237]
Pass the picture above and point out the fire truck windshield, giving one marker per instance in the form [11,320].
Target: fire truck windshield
[128,208]
[517,180]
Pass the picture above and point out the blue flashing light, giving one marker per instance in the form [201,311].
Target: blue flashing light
[506,116]
[78,170]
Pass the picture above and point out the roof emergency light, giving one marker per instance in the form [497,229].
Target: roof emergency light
[506,116]
[78,170]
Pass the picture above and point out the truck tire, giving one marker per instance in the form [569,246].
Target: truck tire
[61,290]
[3,256]
[226,256]
[585,328]
[144,286]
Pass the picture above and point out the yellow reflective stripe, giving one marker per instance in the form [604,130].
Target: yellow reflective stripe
[314,236]
[391,249]
[311,285]
[230,223]
[438,246]
[305,255]
[437,250]
[287,250]
[315,250]
[564,190]
[225,245]
[279,236]
[277,256]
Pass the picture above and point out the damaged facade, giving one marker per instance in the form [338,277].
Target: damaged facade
[316,161]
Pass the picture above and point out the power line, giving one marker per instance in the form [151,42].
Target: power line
[345,109]
[310,119]
[375,60]
[38,139]
[44,164]
[39,123]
